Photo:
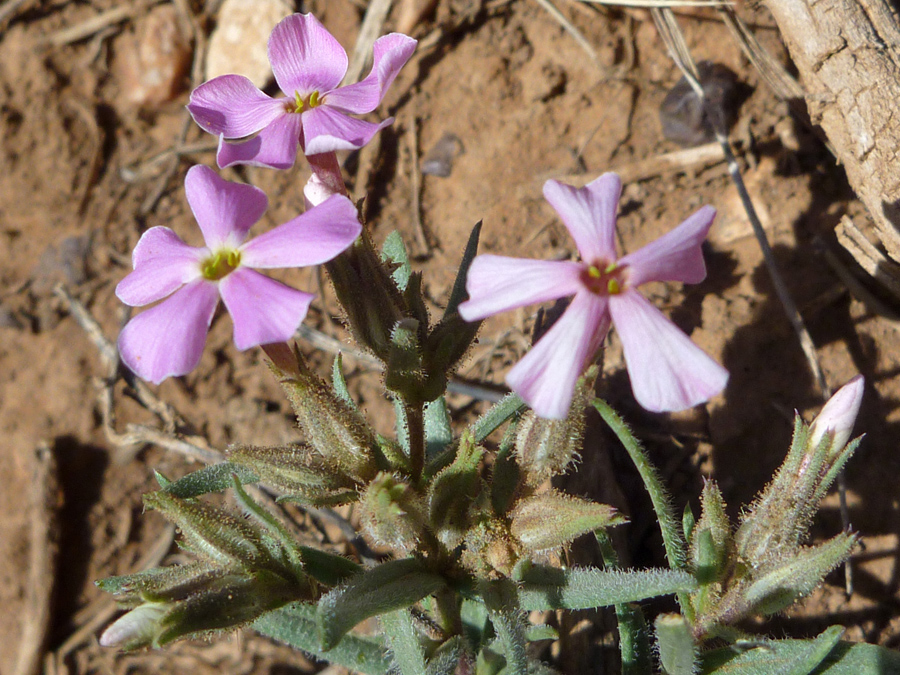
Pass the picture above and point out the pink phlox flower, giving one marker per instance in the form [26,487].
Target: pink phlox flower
[168,338]
[308,64]
[668,372]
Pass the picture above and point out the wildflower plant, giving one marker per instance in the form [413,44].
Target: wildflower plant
[468,528]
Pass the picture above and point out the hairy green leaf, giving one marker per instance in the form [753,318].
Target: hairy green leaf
[390,586]
[213,478]
[295,625]
[546,588]
[825,655]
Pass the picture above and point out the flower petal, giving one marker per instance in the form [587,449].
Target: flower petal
[668,372]
[163,263]
[274,147]
[305,57]
[263,310]
[224,210]
[309,239]
[167,340]
[675,256]
[231,106]
[545,378]
[496,284]
[390,54]
[327,130]
[589,214]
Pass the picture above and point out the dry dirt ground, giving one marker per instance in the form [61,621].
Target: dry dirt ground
[82,176]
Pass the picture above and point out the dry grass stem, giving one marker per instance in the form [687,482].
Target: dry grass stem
[371,29]
[97,23]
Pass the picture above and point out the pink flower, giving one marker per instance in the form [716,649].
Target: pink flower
[168,339]
[309,64]
[668,371]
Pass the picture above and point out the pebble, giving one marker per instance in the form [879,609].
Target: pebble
[439,160]
[681,112]
[240,40]
[151,63]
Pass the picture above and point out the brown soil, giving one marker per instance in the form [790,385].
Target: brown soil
[527,104]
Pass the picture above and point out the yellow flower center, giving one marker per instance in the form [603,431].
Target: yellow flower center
[605,280]
[220,265]
[300,104]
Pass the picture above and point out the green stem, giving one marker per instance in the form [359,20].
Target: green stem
[634,643]
[415,425]
[668,524]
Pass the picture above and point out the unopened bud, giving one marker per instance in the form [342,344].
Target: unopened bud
[392,512]
[138,628]
[552,519]
[838,415]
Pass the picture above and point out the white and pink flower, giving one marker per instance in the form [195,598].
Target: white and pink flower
[167,339]
[668,372]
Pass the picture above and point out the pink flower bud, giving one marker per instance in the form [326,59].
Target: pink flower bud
[838,415]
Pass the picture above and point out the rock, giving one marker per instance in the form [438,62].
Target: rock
[152,61]
[239,42]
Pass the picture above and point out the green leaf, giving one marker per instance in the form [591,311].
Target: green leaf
[509,622]
[401,426]
[394,251]
[458,294]
[390,586]
[825,655]
[438,431]
[214,478]
[161,479]
[504,409]
[634,639]
[404,642]
[339,383]
[476,625]
[295,625]
[546,588]
[327,568]
[445,660]
[676,647]
[541,632]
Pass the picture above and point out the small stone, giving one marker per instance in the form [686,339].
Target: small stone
[681,113]
[152,61]
[439,160]
[239,43]
[66,263]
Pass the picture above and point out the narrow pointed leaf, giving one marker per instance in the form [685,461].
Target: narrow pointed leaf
[404,642]
[327,568]
[339,383]
[295,625]
[502,411]
[659,496]
[546,588]
[213,478]
[675,646]
[393,585]
[458,294]
[509,622]
[438,431]
[394,251]
[825,655]
[446,660]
